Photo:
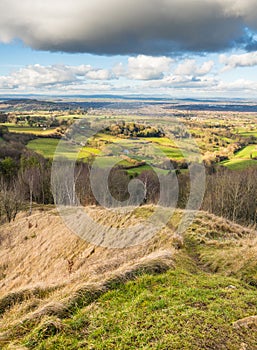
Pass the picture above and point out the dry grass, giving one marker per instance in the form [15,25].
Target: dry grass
[47,272]
[80,295]
[40,251]
[35,257]
[222,246]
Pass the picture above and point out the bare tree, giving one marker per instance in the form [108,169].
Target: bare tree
[11,199]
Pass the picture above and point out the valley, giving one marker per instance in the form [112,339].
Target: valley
[80,267]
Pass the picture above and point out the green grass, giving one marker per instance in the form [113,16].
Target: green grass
[227,139]
[108,138]
[246,152]
[242,159]
[249,133]
[92,150]
[30,130]
[175,310]
[106,162]
[161,148]
[239,164]
[140,169]
[169,152]
[149,149]
[47,147]
[190,306]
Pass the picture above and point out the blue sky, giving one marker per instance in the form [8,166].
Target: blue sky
[177,48]
[16,55]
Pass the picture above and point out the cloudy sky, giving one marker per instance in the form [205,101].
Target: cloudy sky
[179,48]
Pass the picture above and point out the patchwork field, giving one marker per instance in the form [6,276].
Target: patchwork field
[218,136]
[110,150]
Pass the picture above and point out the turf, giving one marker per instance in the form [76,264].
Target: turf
[242,159]
[140,169]
[239,164]
[175,310]
[246,152]
[47,148]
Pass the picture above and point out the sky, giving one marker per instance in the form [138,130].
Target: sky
[176,48]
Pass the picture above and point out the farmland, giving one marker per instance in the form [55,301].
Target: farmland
[87,288]
[243,159]
[30,130]
[224,139]
[47,147]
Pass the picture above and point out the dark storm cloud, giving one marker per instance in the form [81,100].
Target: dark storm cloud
[129,26]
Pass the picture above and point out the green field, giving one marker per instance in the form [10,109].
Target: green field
[239,164]
[47,147]
[106,162]
[29,130]
[249,133]
[140,169]
[242,159]
[171,153]
[246,152]
[111,149]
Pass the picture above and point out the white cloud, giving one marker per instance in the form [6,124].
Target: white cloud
[100,74]
[144,74]
[240,85]
[143,67]
[119,70]
[190,67]
[242,60]
[38,76]
[148,67]
[183,82]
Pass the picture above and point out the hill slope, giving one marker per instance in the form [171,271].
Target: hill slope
[59,292]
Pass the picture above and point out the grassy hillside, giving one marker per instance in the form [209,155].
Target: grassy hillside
[243,159]
[195,292]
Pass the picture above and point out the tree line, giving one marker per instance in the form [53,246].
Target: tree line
[25,178]
[131,129]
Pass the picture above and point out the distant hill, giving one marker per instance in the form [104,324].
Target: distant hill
[56,103]
[25,104]
[192,292]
